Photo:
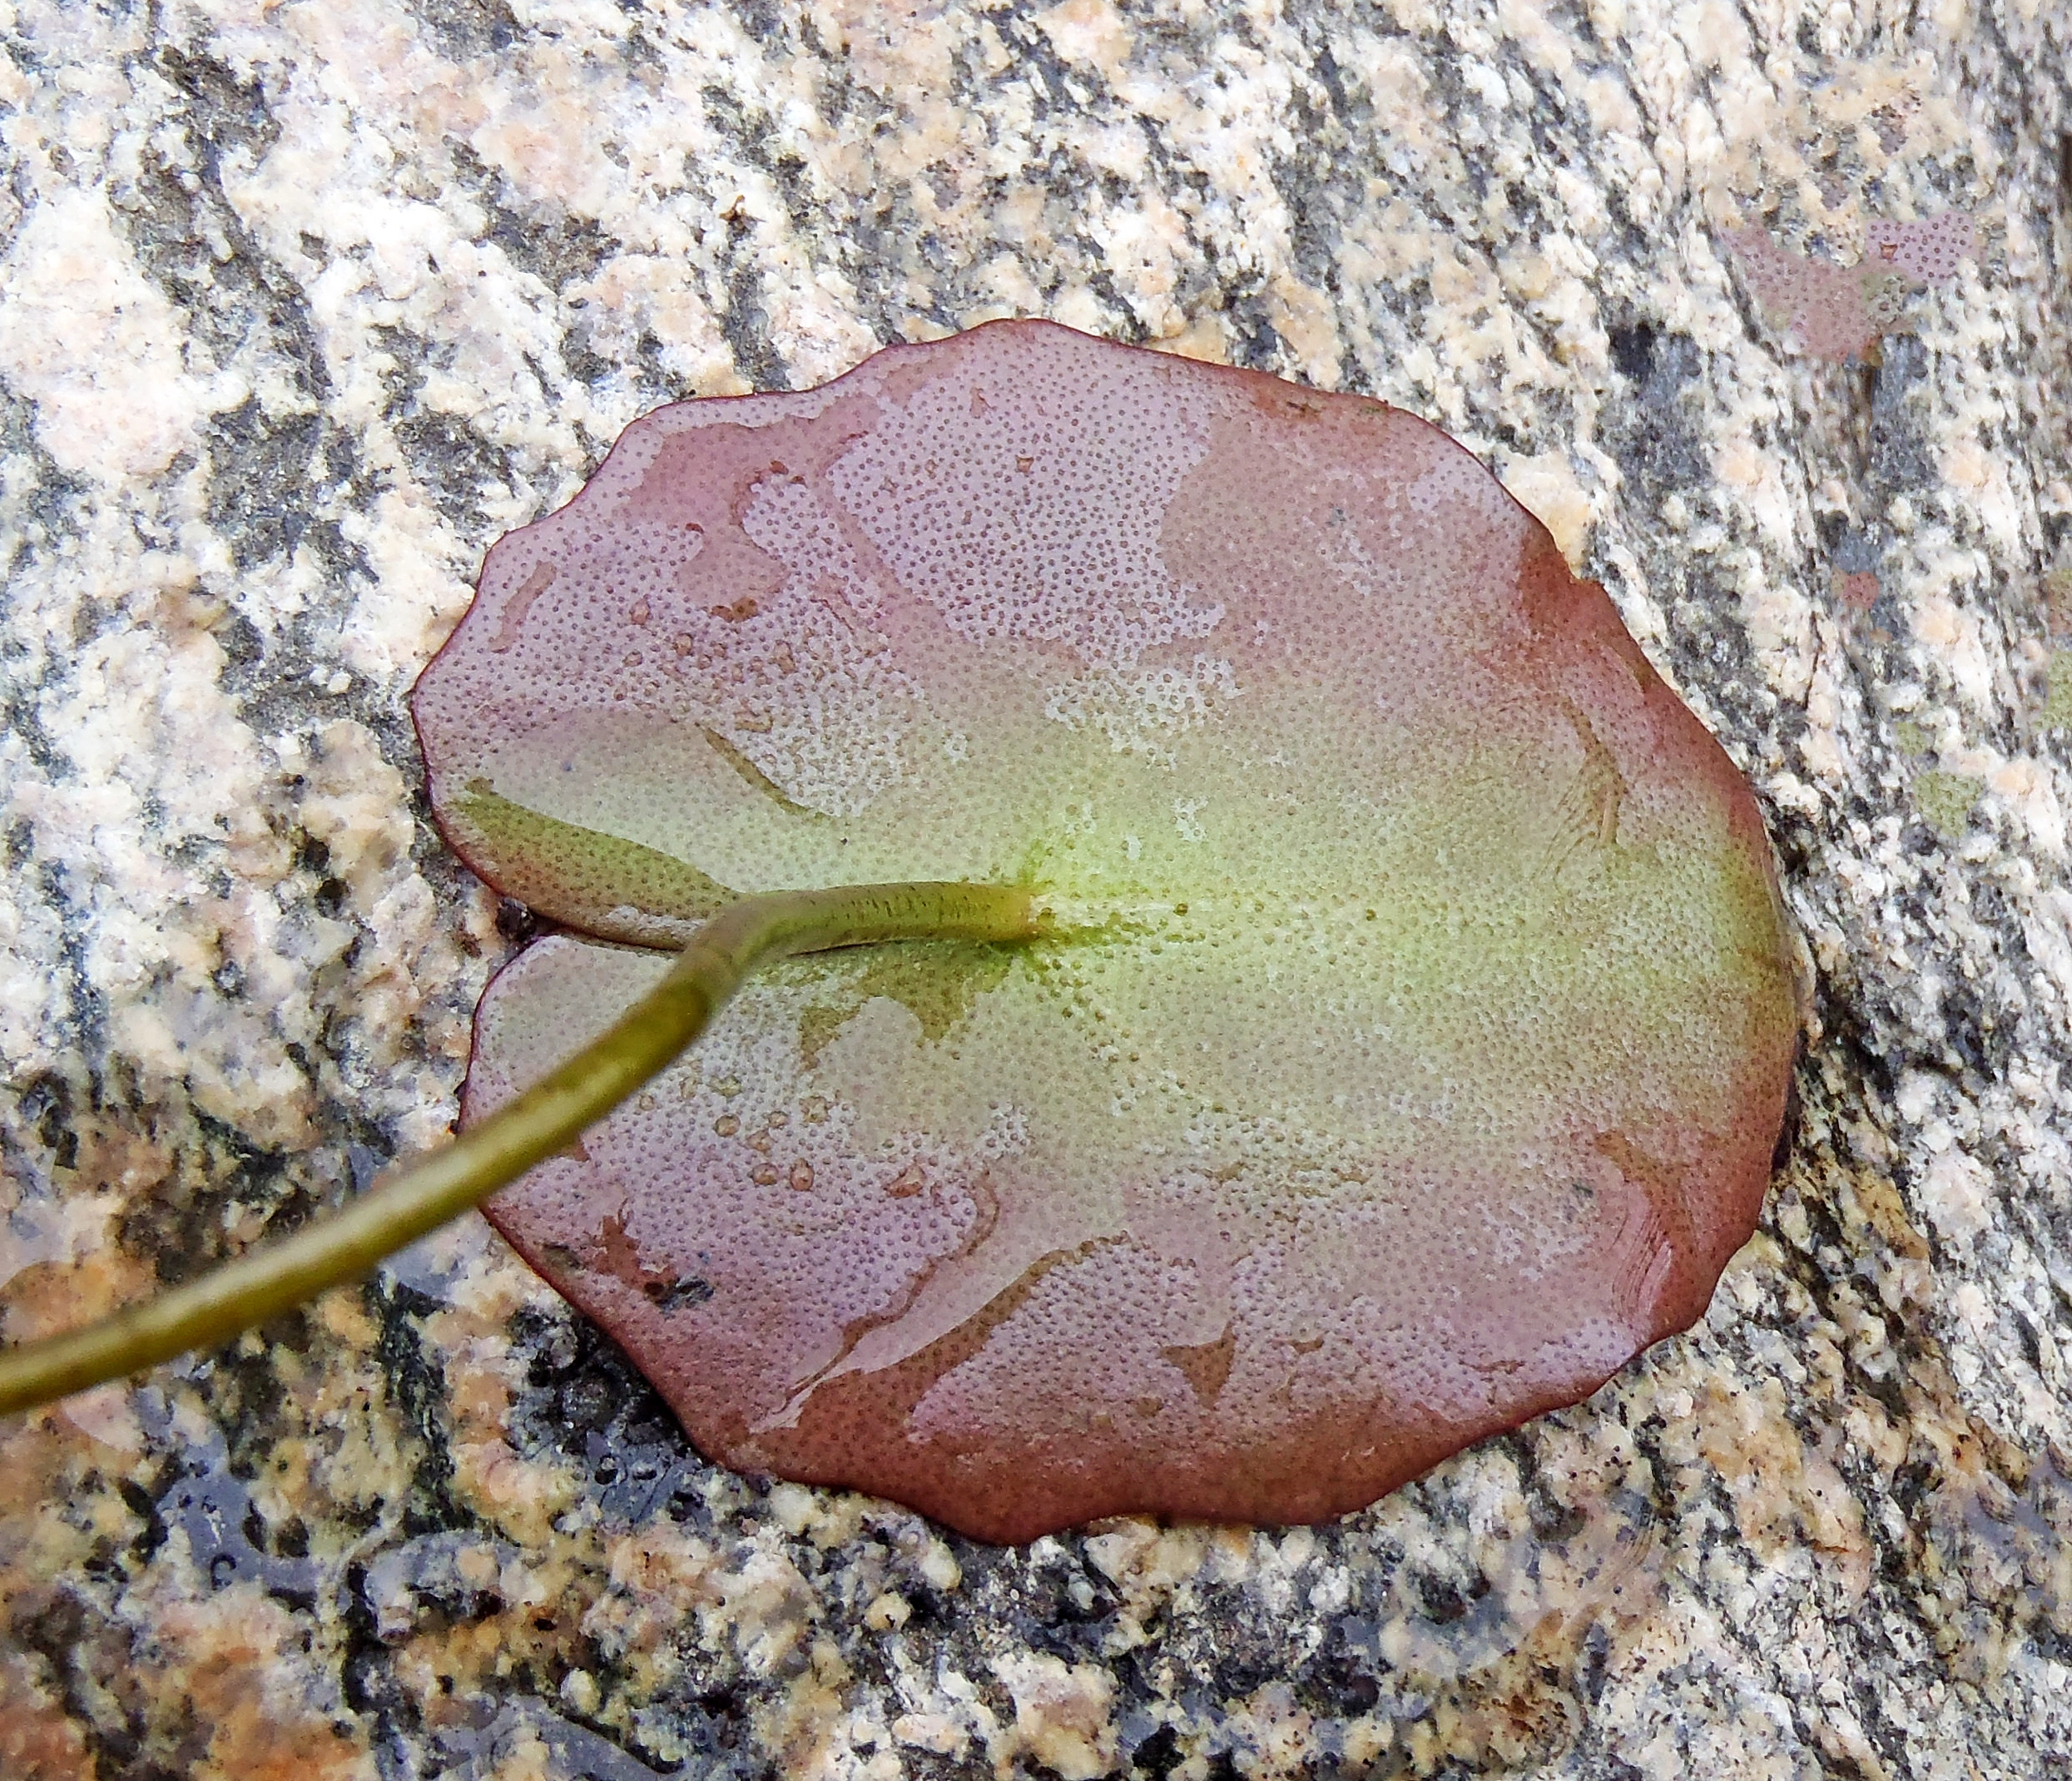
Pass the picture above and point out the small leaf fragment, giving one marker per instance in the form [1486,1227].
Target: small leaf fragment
[1838,312]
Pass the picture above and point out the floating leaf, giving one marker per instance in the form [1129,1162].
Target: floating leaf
[1416,1036]
[1838,312]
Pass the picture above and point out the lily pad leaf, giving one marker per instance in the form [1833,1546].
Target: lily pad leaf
[1416,1032]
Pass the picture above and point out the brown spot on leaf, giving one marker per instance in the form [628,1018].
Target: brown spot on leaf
[519,604]
[1206,1365]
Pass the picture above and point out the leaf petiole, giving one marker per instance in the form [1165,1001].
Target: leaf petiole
[544,1118]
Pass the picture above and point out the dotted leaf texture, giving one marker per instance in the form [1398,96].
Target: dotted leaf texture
[1841,313]
[1417,1036]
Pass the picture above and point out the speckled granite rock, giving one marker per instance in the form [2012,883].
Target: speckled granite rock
[302,305]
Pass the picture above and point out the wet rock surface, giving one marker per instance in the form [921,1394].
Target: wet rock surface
[301,306]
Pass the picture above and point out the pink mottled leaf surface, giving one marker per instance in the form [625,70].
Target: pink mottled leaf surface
[1415,1053]
[1838,312]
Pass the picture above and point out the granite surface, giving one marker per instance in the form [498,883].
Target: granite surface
[302,305]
